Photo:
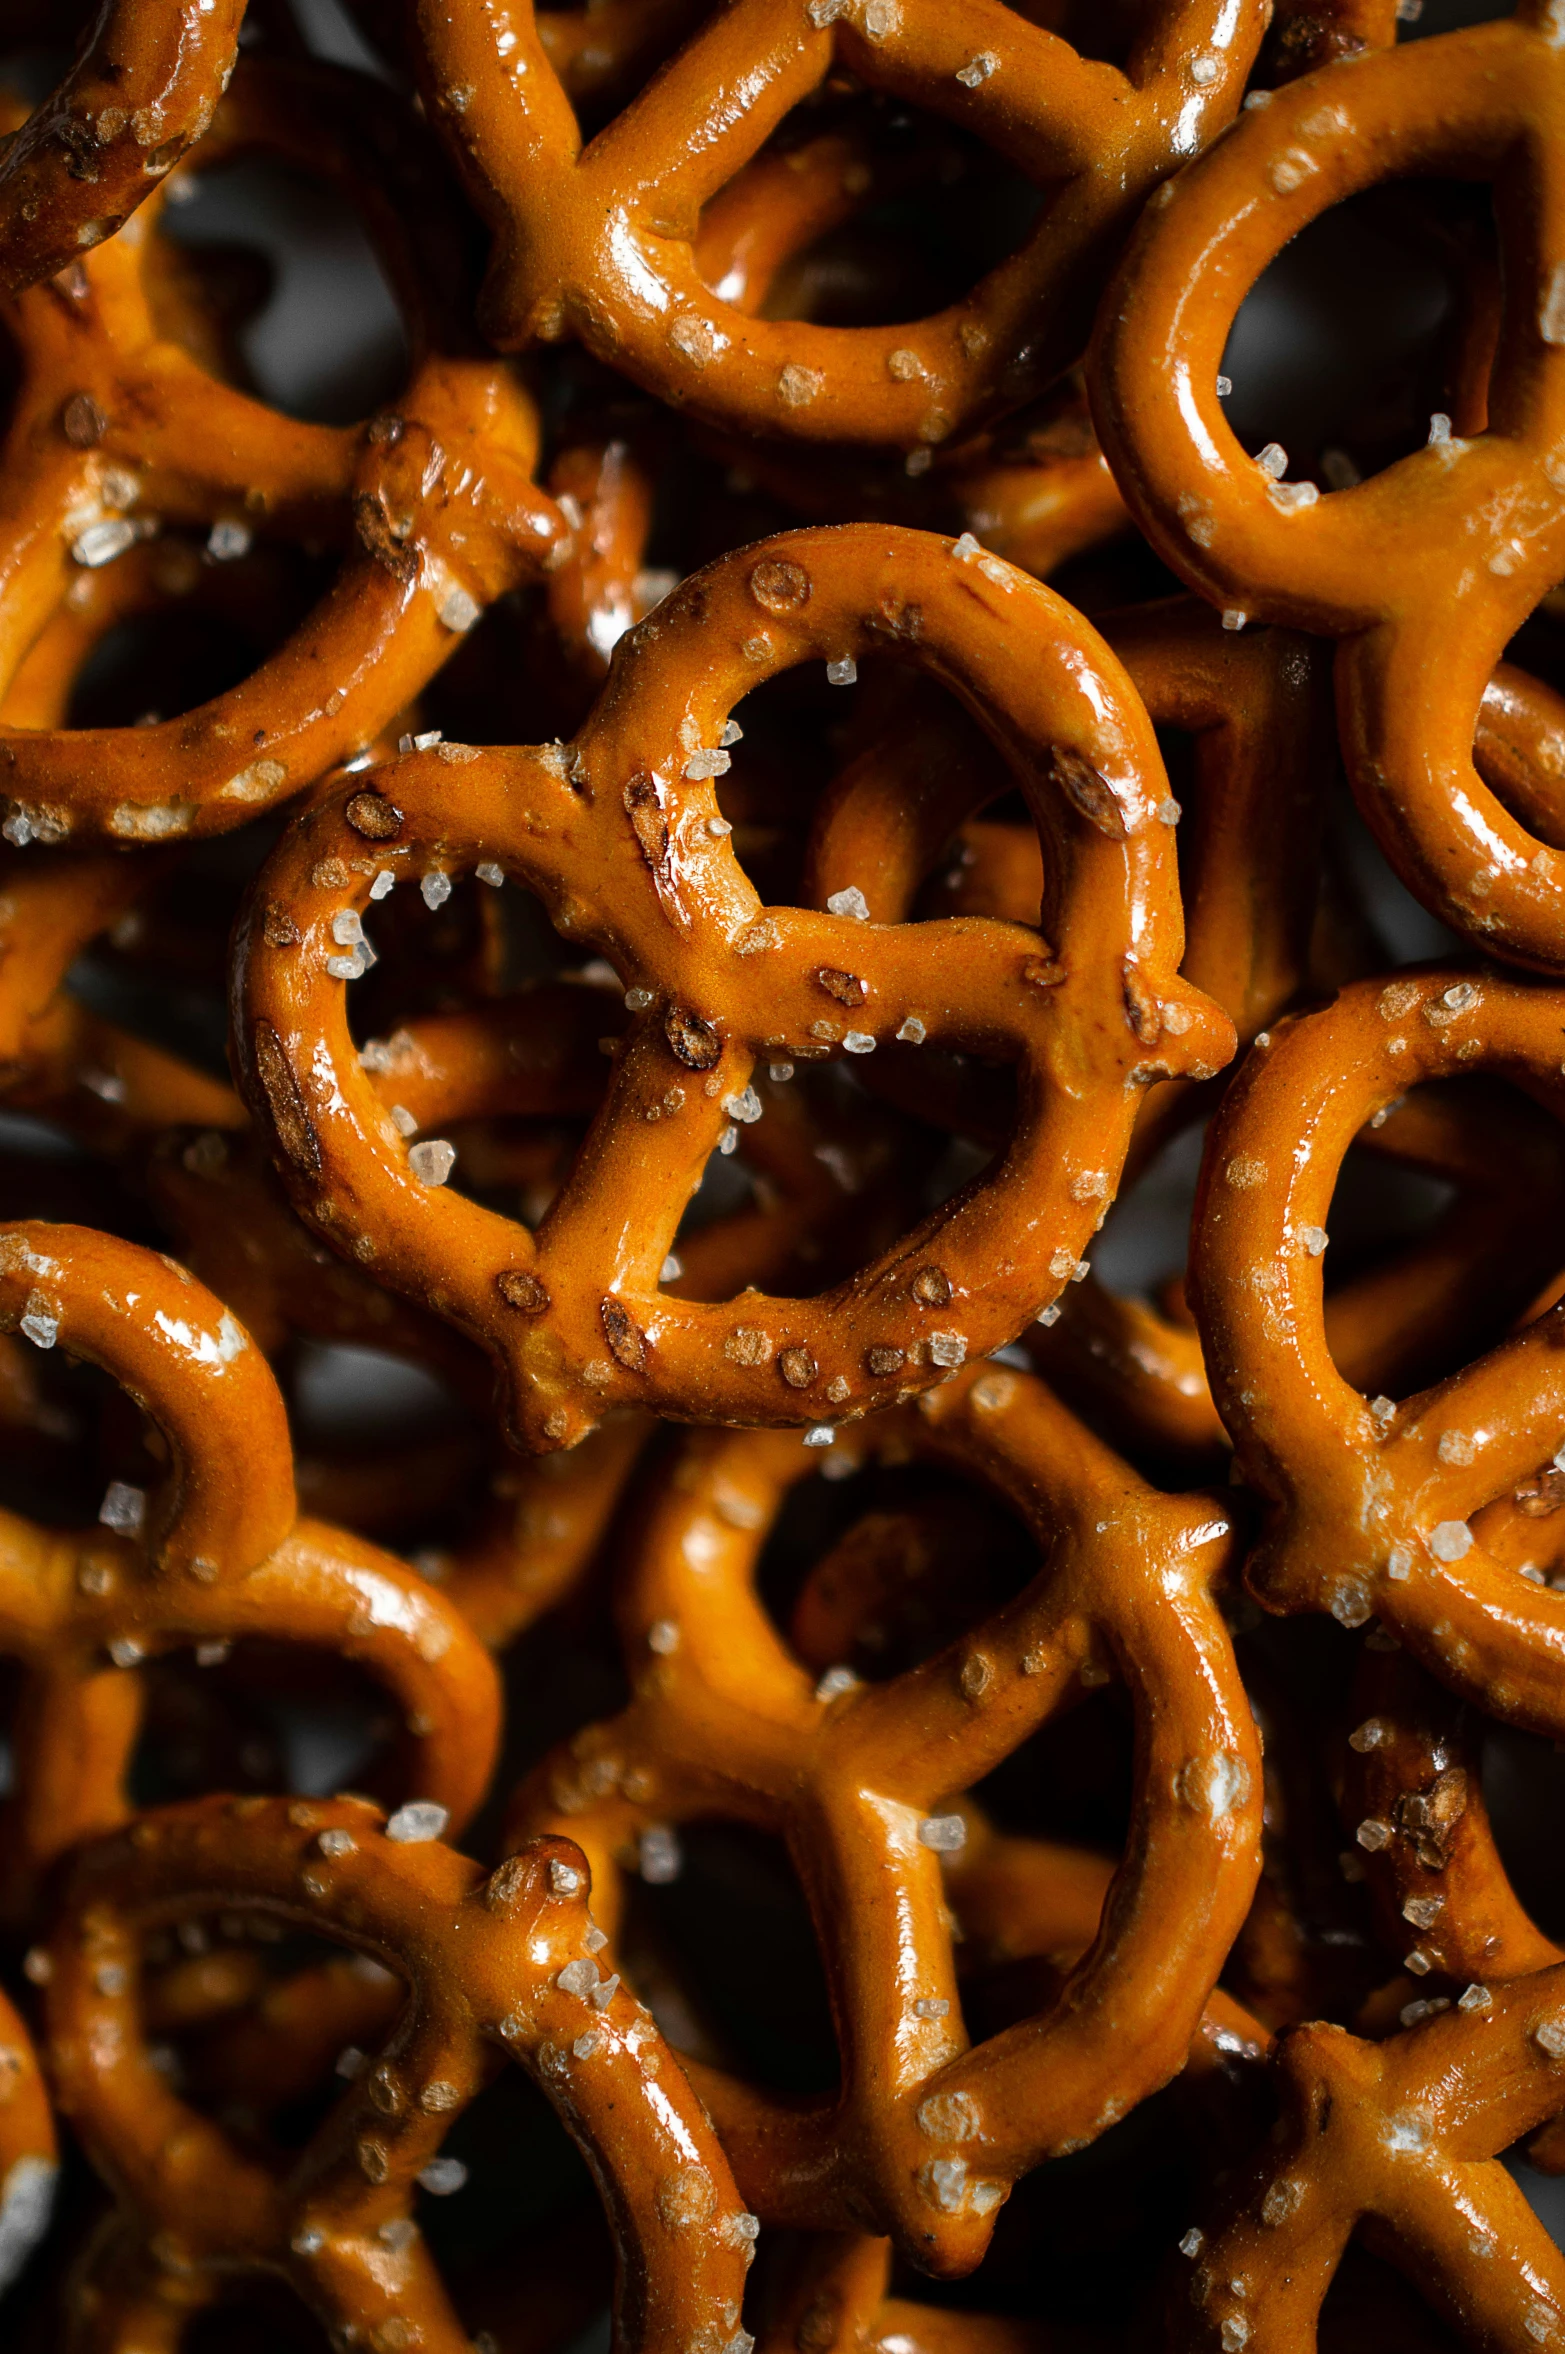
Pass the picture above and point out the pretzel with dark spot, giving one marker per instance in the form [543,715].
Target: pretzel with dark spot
[215,1552]
[492,1964]
[119,432]
[1427,570]
[1369,1503]
[926,2136]
[140,93]
[621,837]
[599,241]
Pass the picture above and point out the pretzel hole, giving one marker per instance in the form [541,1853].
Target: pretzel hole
[266,1716]
[1432,1182]
[329,343]
[168,630]
[882,1570]
[1377,317]
[853,201]
[1524,1787]
[734,1931]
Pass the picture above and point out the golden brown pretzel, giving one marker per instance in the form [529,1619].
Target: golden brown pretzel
[1398,2141]
[29,2154]
[503,1963]
[621,836]
[1369,1503]
[1425,571]
[599,241]
[926,2136]
[140,92]
[118,431]
[217,1551]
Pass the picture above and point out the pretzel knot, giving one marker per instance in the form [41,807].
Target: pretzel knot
[926,2135]
[1399,2140]
[119,435]
[599,241]
[217,1552]
[620,835]
[507,1962]
[1425,571]
[1370,1503]
[142,90]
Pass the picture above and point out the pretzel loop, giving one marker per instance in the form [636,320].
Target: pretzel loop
[1370,1508]
[186,1363]
[1426,570]
[142,90]
[600,240]
[482,1961]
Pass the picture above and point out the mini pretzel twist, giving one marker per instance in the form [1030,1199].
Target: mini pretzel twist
[1425,571]
[142,90]
[503,1963]
[621,836]
[1369,1504]
[598,241]
[1398,2141]
[118,431]
[217,1552]
[926,2135]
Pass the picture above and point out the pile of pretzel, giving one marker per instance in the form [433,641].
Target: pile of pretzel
[587,963]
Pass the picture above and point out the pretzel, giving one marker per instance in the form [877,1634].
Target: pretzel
[29,2154]
[1398,2141]
[118,431]
[729,981]
[207,1557]
[599,241]
[1369,1506]
[496,1963]
[926,2137]
[1424,572]
[141,91]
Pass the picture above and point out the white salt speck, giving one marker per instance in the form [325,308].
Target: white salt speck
[442,2176]
[836,1680]
[1475,1998]
[346,928]
[1273,460]
[672,1269]
[100,543]
[421,1819]
[1193,2242]
[659,1855]
[564,1879]
[125,1651]
[912,1031]
[1233,617]
[1049,1315]
[228,539]
[779,1071]
[946,1834]
[702,766]
[1314,1240]
[1439,429]
[637,1000]
[728,1142]
[850,901]
[491,872]
[458,611]
[745,1107]
[1225,385]
[948,1348]
[1204,71]
[432,1161]
[977,69]
[820,1434]
[1373,1834]
[1449,1540]
[436,887]
[663,1636]
[931,2008]
[385,882]
[842,672]
[858,1042]
[403,1121]
[124,1508]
